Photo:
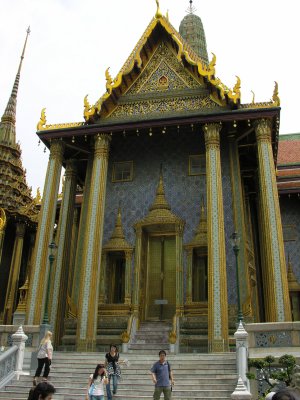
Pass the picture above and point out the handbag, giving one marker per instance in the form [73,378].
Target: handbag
[91,389]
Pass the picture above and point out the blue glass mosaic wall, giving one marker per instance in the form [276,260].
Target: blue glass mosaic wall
[290,215]
[183,192]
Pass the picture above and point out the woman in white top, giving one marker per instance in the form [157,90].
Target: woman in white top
[44,356]
[95,389]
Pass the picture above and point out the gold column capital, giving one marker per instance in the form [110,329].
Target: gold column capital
[57,149]
[71,169]
[212,135]
[2,219]
[263,130]
[138,230]
[101,145]
[128,254]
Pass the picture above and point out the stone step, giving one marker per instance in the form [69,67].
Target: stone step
[196,384]
[182,356]
[142,364]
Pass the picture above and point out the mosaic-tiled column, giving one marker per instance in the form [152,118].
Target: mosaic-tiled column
[137,271]
[274,257]
[62,259]
[189,283]
[82,231]
[40,265]
[239,222]
[179,271]
[13,280]
[2,229]
[91,260]
[217,282]
[128,258]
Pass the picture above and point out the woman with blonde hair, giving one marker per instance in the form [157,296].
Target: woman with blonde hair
[44,357]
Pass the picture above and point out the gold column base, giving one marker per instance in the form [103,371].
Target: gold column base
[127,301]
[179,310]
[86,345]
[218,346]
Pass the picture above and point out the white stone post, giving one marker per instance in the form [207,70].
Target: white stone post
[241,392]
[19,338]
[242,389]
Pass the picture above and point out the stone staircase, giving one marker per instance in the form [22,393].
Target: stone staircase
[150,338]
[197,376]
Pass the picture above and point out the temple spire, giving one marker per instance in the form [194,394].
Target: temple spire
[8,120]
[191,8]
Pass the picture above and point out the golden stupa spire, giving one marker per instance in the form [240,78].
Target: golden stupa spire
[117,240]
[118,232]
[160,201]
[8,120]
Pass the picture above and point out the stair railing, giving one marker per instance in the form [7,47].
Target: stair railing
[128,335]
[174,335]
[11,361]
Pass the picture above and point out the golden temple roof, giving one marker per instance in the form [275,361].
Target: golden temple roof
[117,241]
[134,64]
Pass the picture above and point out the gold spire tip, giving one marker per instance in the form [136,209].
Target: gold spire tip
[158,12]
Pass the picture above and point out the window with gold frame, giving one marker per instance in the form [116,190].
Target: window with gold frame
[122,171]
[197,164]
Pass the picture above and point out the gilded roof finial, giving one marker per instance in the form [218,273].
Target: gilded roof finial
[38,197]
[253,97]
[158,12]
[275,96]
[42,122]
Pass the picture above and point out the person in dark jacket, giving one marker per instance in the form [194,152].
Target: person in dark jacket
[42,391]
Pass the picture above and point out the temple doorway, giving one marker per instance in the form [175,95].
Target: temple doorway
[160,296]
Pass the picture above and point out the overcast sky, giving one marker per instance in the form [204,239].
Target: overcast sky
[72,42]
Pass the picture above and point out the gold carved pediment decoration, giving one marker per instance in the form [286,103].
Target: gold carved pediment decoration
[163,66]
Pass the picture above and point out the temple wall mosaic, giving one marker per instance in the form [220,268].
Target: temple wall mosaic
[290,214]
[183,192]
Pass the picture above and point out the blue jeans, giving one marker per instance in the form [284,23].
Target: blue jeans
[114,380]
[101,397]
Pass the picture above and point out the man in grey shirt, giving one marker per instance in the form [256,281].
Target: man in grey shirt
[162,374]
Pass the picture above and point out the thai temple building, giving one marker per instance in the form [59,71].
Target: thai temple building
[166,170]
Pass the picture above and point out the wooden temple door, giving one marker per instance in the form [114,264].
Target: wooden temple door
[161,278]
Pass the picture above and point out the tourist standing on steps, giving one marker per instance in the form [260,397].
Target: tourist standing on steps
[44,357]
[95,389]
[162,377]
[113,370]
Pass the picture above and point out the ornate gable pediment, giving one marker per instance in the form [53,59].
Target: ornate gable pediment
[165,86]
[163,64]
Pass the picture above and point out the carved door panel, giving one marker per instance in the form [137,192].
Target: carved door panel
[161,278]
